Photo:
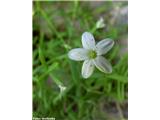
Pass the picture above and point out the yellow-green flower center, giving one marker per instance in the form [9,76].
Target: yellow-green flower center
[92,54]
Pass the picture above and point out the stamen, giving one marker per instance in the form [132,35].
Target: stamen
[92,54]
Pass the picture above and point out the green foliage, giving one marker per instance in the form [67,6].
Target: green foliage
[57,27]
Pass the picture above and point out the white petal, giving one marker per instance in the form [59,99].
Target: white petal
[78,54]
[102,64]
[88,41]
[87,68]
[104,46]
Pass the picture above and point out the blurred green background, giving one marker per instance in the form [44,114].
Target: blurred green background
[57,28]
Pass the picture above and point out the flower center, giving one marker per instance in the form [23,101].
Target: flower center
[92,54]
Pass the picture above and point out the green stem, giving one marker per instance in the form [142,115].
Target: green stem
[94,29]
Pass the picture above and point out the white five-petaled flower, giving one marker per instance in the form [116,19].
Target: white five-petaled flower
[91,54]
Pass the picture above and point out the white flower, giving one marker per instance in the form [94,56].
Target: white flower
[62,88]
[100,23]
[91,54]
